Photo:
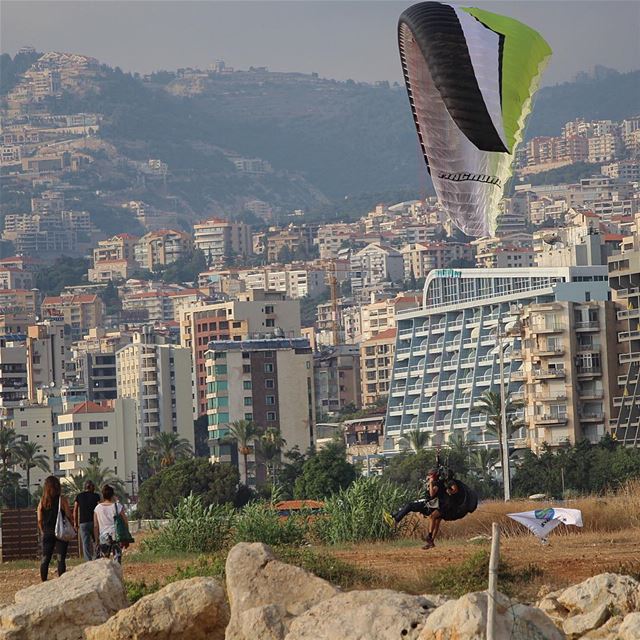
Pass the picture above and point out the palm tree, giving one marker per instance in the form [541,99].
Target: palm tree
[490,404]
[99,475]
[483,461]
[169,447]
[29,457]
[9,445]
[271,444]
[244,433]
[416,440]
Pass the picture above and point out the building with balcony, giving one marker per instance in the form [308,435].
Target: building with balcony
[81,312]
[222,240]
[624,279]
[161,248]
[270,383]
[374,264]
[107,431]
[336,374]
[157,375]
[376,364]
[447,353]
[258,313]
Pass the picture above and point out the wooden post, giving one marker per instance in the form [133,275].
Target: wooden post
[492,593]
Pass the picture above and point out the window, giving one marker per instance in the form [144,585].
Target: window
[270,400]
[246,368]
[248,401]
[99,440]
[268,367]
[271,416]
[269,383]
[248,416]
[269,308]
[270,322]
[246,384]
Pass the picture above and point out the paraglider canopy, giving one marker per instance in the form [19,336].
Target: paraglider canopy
[470,76]
[541,522]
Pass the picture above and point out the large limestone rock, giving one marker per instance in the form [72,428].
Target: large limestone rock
[363,615]
[621,594]
[194,609]
[61,608]
[630,627]
[577,626]
[466,619]
[255,580]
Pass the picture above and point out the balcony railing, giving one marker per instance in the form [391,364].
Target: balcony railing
[589,371]
[587,325]
[549,418]
[548,373]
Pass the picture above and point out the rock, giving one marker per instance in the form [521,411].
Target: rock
[620,593]
[194,609]
[435,600]
[550,605]
[466,619]
[607,631]
[381,614]
[256,579]
[60,609]
[577,626]
[265,622]
[630,627]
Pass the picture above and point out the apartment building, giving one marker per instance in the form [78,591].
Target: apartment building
[336,374]
[34,423]
[448,352]
[501,253]
[294,281]
[13,372]
[163,304]
[22,301]
[82,312]
[157,375]
[13,278]
[624,279]
[259,313]
[114,259]
[105,431]
[49,356]
[269,382]
[296,240]
[374,264]
[161,248]
[569,372]
[376,364]
[421,258]
[222,240]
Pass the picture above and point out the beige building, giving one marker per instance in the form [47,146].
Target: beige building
[258,313]
[161,248]
[106,431]
[220,240]
[82,312]
[421,258]
[114,259]
[376,363]
[569,371]
[157,376]
[269,382]
[336,374]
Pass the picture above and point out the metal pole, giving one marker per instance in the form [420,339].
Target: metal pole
[506,473]
[492,593]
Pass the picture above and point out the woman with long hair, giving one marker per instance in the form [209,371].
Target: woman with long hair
[104,527]
[52,500]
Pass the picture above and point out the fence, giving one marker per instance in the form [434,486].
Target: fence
[19,538]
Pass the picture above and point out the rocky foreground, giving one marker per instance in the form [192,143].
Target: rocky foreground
[266,599]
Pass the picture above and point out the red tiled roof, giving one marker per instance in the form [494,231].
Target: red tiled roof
[90,407]
[383,335]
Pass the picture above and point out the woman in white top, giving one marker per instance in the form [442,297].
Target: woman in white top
[104,524]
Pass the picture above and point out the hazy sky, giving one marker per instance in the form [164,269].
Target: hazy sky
[352,39]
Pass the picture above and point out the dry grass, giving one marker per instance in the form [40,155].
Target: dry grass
[600,514]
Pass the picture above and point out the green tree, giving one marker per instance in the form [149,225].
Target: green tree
[99,475]
[410,470]
[291,470]
[244,433]
[270,447]
[325,473]
[9,447]
[168,447]
[483,462]
[416,440]
[215,483]
[29,457]
[201,437]
[64,272]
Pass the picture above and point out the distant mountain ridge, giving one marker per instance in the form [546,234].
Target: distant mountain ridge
[328,143]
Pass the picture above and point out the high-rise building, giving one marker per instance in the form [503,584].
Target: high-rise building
[374,264]
[81,312]
[157,375]
[376,364]
[336,374]
[448,352]
[624,279]
[161,248]
[222,240]
[268,382]
[256,313]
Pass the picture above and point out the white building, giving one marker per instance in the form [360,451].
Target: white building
[374,264]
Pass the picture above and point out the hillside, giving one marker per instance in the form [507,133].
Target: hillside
[331,148]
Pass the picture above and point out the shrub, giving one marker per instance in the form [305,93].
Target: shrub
[137,589]
[355,514]
[193,527]
[260,522]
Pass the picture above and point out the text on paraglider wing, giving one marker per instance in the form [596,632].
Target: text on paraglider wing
[473,177]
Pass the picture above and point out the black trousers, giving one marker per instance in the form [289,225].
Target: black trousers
[418,506]
[50,544]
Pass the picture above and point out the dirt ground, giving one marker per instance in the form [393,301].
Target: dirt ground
[566,560]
